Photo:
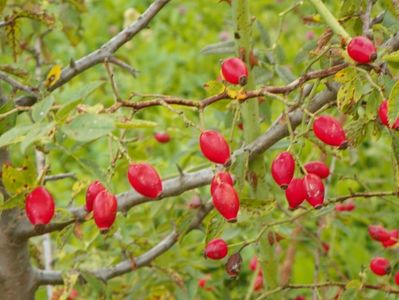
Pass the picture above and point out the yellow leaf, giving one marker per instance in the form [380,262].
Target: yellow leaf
[53,76]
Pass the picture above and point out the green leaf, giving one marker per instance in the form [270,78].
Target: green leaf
[224,47]
[214,87]
[37,132]
[136,123]
[41,108]
[64,111]
[84,91]
[89,127]
[392,57]
[393,103]
[9,121]
[214,225]
[2,5]
[14,201]
[15,135]
[18,180]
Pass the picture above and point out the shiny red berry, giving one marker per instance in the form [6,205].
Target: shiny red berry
[362,50]
[162,137]
[92,191]
[221,177]
[378,233]
[295,193]
[330,131]
[383,115]
[226,201]
[234,71]
[258,285]
[397,278]
[104,210]
[283,168]
[393,239]
[39,206]
[145,180]
[216,249]
[314,188]
[318,168]
[214,146]
[380,266]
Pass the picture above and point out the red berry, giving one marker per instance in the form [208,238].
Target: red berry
[145,180]
[326,247]
[380,266]
[340,207]
[39,206]
[378,233]
[234,71]
[362,50]
[314,188]
[214,147]
[162,137]
[397,278]
[221,177]
[202,282]
[318,168]
[104,210]
[226,201]
[330,131]
[295,193]
[216,249]
[349,206]
[253,263]
[393,239]
[91,194]
[258,283]
[283,167]
[383,115]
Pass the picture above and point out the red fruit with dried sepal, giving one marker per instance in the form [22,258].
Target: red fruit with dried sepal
[380,266]
[214,146]
[283,168]
[378,233]
[330,131]
[226,201]
[221,177]
[234,71]
[295,193]
[314,188]
[145,180]
[362,50]
[39,206]
[216,249]
[104,210]
[162,137]
[318,168]
[92,191]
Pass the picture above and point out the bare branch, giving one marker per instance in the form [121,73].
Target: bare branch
[59,177]
[366,18]
[16,84]
[106,50]
[123,65]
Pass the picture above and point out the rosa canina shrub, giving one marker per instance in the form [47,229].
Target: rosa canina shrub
[228,149]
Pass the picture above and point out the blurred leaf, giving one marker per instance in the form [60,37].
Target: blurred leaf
[214,87]
[36,133]
[14,135]
[225,47]
[14,70]
[41,108]
[9,121]
[214,225]
[136,123]
[71,21]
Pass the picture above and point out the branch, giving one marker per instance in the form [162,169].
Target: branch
[106,50]
[130,265]
[17,85]
[59,177]
[123,65]
[366,18]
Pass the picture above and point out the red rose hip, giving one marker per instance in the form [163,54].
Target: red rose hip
[221,177]
[329,131]
[314,188]
[162,137]
[318,168]
[145,180]
[378,233]
[104,210]
[295,193]
[226,201]
[383,115]
[214,147]
[92,191]
[234,71]
[216,249]
[39,206]
[362,50]
[393,239]
[258,285]
[283,168]
[380,266]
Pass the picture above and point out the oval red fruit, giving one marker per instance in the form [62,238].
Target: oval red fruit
[314,188]
[162,137]
[214,146]
[378,233]
[362,50]
[383,115]
[104,210]
[39,206]
[145,180]
[283,168]
[221,177]
[397,278]
[92,191]
[318,168]
[226,201]
[380,266]
[330,131]
[393,239]
[253,263]
[216,249]
[234,71]
[258,285]
[295,193]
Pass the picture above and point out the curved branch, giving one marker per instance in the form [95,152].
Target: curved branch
[17,85]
